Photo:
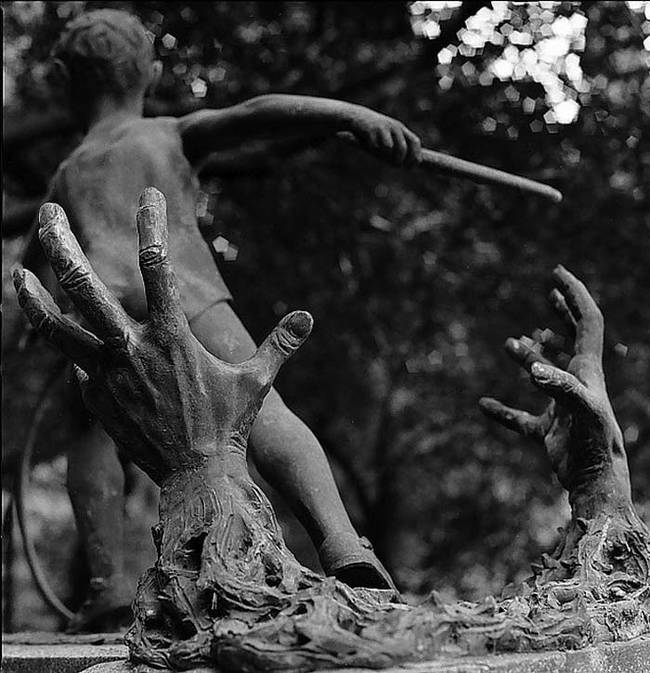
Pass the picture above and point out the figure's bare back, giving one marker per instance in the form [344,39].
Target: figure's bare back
[99,184]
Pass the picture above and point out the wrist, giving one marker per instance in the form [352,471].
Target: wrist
[206,467]
[608,491]
[352,117]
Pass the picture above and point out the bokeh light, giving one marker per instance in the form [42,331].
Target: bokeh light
[522,42]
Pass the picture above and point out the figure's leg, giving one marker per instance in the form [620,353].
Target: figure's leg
[96,488]
[291,459]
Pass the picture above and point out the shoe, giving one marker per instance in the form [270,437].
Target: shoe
[351,560]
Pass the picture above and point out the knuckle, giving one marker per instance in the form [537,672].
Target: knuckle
[75,277]
[152,255]
[283,341]
[124,344]
[255,377]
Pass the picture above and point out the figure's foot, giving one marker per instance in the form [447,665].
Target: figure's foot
[107,608]
[351,560]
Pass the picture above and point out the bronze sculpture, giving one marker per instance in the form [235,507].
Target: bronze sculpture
[105,63]
[225,590]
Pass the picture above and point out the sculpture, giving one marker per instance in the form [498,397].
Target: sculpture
[104,60]
[225,590]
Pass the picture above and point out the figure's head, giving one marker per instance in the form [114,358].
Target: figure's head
[105,53]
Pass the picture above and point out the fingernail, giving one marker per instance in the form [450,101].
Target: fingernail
[299,324]
[151,197]
[49,214]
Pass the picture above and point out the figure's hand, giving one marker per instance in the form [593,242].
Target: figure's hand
[578,427]
[387,138]
[162,397]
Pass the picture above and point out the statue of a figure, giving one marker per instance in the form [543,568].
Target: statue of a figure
[225,590]
[105,62]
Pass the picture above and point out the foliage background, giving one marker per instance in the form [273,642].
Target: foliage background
[414,280]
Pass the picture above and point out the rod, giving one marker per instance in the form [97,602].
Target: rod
[445,163]
[449,165]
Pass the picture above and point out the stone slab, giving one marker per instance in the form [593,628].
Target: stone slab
[103,657]
[58,652]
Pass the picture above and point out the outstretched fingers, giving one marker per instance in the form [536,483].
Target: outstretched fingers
[75,275]
[163,299]
[285,339]
[561,307]
[79,345]
[588,318]
[564,388]
[515,419]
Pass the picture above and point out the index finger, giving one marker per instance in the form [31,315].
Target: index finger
[163,299]
[589,319]
[75,275]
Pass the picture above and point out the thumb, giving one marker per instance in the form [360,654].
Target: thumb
[285,339]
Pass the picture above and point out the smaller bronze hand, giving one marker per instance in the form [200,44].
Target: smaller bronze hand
[387,138]
[578,427]
[165,400]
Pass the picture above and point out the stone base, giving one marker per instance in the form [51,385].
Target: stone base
[102,653]
[58,652]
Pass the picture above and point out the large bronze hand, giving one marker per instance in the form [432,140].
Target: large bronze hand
[164,399]
[578,427]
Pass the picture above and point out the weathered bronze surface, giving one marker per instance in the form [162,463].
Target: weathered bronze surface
[225,589]
[104,64]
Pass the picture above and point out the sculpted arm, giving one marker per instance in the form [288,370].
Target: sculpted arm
[281,116]
[605,549]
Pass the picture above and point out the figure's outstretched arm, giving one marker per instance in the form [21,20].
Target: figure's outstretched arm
[281,115]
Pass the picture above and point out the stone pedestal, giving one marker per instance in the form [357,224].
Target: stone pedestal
[58,652]
[104,653]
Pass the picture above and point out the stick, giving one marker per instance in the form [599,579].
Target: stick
[444,163]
